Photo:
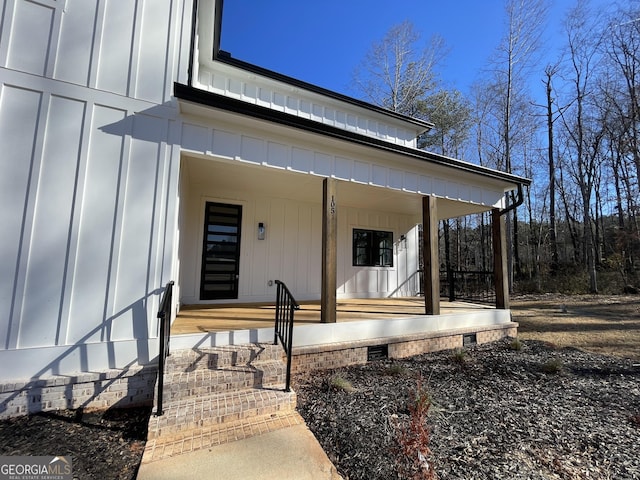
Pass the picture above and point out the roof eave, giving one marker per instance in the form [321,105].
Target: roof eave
[214,100]
[420,125]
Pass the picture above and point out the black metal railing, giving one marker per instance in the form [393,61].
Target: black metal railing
[286,305]
[477,286]
[164,316]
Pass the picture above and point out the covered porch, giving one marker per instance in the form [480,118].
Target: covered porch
[398,323]
[198,319]
[307,233]
[338,220]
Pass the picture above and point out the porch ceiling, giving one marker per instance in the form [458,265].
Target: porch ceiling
[277,182]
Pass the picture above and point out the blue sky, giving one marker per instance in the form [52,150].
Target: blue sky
[322,41]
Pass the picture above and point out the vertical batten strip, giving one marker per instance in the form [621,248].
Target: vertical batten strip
[75,226]
[97,42]
[23,265]
[134,62]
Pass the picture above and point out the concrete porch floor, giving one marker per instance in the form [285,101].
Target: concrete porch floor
[226,317]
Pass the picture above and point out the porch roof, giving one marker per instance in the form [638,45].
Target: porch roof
[191,101]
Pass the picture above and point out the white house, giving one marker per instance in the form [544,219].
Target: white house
[134,152]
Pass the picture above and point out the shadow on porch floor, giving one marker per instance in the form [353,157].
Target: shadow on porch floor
[219,318]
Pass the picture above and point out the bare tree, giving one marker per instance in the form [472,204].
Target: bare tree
[623,48]
[397,73]
[515,57]
[513,61]
[620,98]
[550,72]
[584,130]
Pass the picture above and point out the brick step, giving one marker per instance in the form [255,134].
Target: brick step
[218,409]
[187,441]
[211,358]
[182,385]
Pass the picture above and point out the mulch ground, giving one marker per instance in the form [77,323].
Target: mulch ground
[102,445]
[494,413]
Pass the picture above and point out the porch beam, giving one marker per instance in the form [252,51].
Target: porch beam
[431,274]
[329,250]
[500,273]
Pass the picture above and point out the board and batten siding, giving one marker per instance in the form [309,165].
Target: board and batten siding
[90,161]
[292,251]
[128,47]
[234,83]
[91,216]
[378,282]
[289,152]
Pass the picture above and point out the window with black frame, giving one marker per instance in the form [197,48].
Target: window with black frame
[372,248]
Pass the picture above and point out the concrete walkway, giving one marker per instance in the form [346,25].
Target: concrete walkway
[287,453]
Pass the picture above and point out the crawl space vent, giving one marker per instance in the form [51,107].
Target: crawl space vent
[469,339]
[377,352]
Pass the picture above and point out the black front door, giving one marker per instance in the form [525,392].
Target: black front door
[221,251]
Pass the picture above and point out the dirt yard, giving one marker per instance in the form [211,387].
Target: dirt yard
[602,324]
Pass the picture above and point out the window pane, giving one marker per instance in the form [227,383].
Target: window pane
[212,237]
[386,258]
[217,228]
[372,248]
[384,241]
[361,257]
[362,240]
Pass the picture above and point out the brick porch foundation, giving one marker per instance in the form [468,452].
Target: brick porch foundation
[102,390]
[319,357]
[135,386]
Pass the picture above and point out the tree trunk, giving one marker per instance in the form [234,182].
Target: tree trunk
[552,179]
[447,261]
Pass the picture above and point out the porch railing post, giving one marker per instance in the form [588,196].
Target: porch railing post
[164,316]
[286,305]
[278,307]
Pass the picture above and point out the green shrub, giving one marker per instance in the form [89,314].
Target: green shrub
[340,383]
[553,365]
[395,369]
[515,345]
[459,357]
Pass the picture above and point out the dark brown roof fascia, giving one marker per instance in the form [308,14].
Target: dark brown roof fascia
[214,100]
